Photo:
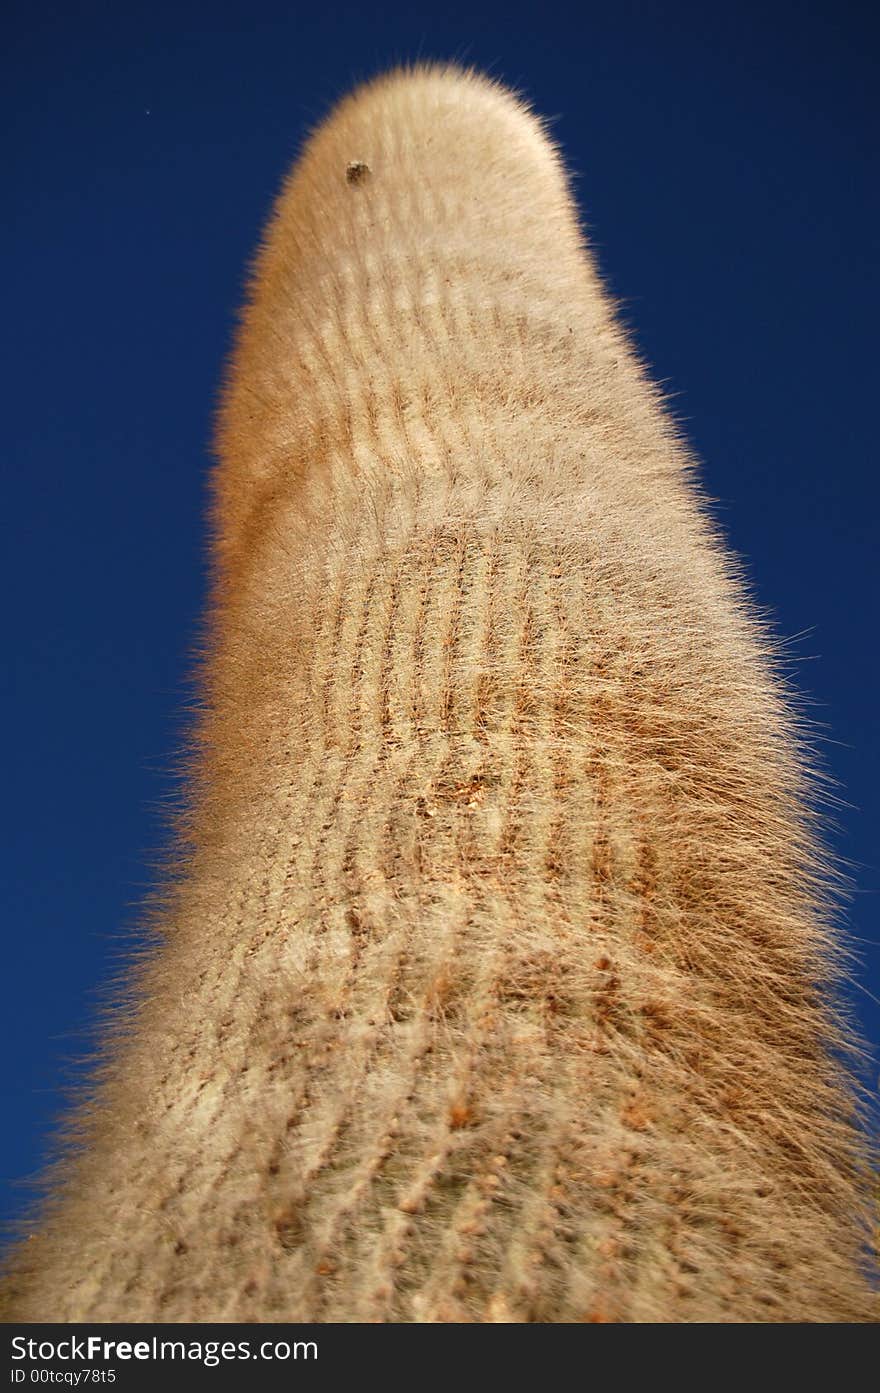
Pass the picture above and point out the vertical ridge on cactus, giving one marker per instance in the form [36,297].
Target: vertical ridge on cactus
[498,979]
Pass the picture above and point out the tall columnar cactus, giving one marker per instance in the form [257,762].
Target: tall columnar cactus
[496,981]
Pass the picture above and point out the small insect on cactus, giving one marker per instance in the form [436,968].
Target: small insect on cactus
[498,982]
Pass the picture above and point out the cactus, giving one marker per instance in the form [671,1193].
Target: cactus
[498,980]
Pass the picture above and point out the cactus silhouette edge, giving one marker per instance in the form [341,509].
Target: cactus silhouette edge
[499,977]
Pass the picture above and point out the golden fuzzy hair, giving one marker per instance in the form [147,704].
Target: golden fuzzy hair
[498,984]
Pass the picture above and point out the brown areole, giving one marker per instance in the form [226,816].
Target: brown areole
[497,983]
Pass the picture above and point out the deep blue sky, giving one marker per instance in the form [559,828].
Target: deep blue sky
[724,164]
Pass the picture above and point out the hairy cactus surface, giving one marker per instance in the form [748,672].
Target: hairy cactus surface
[498,979]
